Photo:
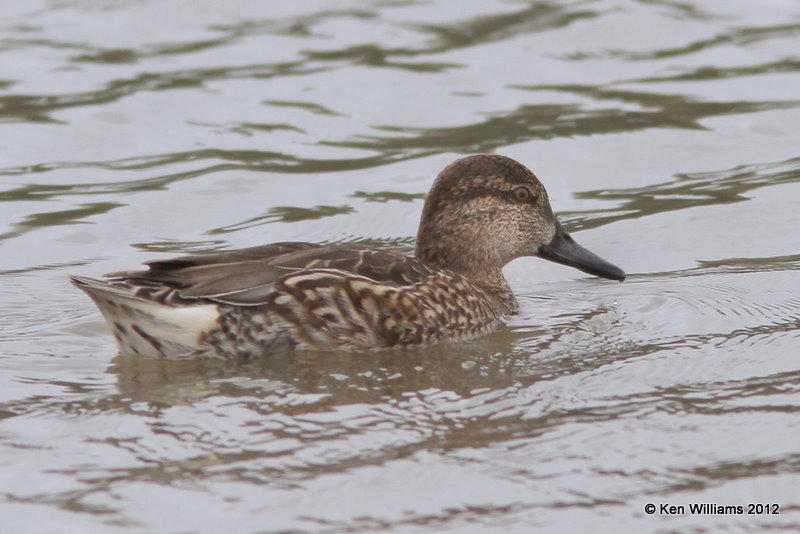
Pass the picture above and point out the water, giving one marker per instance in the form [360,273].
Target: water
[666,134]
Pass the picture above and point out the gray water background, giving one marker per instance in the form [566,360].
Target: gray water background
[667,134]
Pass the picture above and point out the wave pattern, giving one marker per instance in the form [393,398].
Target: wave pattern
[666,133]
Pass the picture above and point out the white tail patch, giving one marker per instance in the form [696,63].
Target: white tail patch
[150,328]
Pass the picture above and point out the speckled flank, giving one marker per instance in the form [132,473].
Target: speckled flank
[322,311]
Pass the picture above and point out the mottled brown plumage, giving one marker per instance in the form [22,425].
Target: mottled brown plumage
[482,212]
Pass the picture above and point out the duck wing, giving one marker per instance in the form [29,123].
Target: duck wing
[247,277]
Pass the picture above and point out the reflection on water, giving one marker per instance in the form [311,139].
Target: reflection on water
[286,214]
[665,133]
[739,37]
[687,191]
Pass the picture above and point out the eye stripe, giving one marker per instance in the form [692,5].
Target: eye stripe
[505,194]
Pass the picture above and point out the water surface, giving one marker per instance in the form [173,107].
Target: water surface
[665,132]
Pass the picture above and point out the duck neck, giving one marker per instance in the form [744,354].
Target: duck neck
[487,278]
[502,297]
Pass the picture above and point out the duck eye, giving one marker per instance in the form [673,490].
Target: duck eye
[522,194]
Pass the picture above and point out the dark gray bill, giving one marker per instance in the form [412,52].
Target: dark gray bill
[563,249]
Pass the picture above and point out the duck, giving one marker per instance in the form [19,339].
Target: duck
[482,212]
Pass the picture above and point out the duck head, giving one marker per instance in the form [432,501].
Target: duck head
[485,210]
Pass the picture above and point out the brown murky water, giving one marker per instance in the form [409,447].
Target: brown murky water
[666,133]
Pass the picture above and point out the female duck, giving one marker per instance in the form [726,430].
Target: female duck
[482,212]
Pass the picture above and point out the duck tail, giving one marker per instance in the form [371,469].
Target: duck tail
[147,327]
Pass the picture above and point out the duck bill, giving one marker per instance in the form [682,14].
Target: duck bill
[564,250]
